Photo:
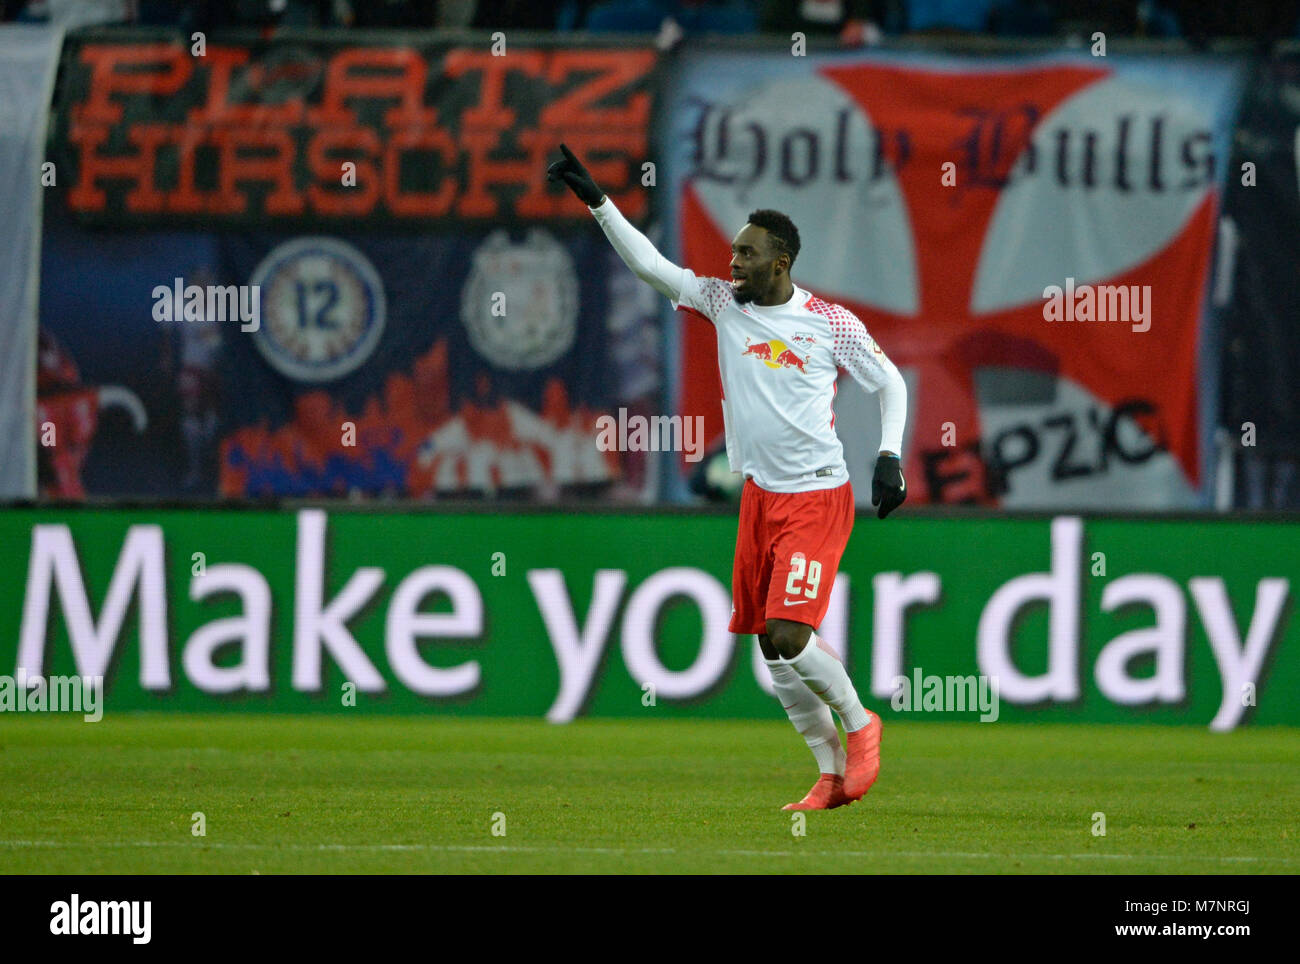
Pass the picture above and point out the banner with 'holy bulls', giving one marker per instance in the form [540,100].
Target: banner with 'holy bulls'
[1028,239]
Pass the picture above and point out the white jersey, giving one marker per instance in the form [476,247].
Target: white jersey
[779,365]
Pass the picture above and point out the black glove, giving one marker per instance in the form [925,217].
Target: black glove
[572,173]
[888,490]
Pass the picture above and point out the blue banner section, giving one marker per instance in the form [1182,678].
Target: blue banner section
[468,365]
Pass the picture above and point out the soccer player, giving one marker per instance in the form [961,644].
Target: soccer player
[779,352]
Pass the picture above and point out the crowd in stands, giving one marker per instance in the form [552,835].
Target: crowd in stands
[854,22]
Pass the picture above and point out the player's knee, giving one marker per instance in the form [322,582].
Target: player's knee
[786,637]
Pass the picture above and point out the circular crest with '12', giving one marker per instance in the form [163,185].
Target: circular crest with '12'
[323,308]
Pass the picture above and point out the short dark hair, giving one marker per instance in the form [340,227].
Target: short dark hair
[784,235]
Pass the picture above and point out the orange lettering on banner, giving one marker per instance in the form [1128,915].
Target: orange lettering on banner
[217,107]
[491,111]
[411,203]
[374,73]
[186,198]
[275,167]
[92,166]
[114,70]
[325,156]
[590,130]
[539,201]
[477,201]
[578,107]
[372,113]
[482,124]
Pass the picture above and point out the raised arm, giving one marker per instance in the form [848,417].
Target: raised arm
[636,250]
[638,253]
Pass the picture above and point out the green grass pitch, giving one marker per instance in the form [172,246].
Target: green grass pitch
[316,794]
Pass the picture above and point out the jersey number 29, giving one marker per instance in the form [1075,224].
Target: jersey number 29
[814,572]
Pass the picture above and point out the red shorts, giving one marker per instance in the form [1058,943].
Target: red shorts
[788,550]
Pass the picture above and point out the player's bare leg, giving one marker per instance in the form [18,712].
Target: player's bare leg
[812,718]
[822,672]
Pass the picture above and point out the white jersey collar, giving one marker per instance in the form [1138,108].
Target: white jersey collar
[797,298]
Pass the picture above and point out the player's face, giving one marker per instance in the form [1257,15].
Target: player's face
[753,264]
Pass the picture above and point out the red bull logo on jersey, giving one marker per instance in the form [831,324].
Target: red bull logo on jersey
[774,354]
